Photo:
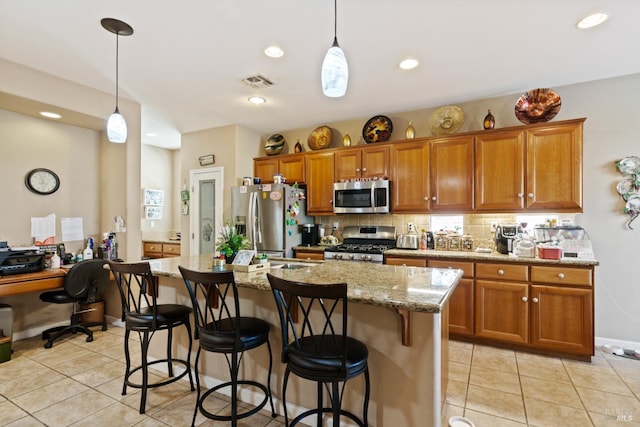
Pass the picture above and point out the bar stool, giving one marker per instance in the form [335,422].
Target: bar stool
[325,355]
[142,314]
[221,329]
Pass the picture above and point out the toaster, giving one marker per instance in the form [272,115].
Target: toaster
[408,241]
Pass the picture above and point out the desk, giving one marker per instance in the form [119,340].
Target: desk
[31,282]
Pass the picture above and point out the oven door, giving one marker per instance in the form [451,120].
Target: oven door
[361,197]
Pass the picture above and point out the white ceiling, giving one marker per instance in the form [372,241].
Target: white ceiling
[185,61]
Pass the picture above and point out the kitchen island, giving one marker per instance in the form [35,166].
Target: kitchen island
[408,382]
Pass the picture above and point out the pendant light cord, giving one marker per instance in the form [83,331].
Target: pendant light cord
[117,55]
[335,19]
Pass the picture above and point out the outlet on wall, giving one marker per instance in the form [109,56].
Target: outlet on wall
[336,225]
[494,224]
[410,227]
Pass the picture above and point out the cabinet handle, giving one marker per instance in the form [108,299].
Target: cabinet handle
[433,198]
[530,195]
[501,272]
[426,198]
[560,275]
[525,299]
[535,300]
[364,169]
[152,247]
[520,195]
[330,202]
[357,169]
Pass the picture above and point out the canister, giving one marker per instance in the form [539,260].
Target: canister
[454,242]
[247,180]
[467,243]
[441,241]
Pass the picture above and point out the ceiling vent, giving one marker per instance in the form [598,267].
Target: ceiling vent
[257,81]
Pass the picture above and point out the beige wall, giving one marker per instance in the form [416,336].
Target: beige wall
[158,172]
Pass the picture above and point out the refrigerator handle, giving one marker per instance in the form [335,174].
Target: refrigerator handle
[258,229]
[250,218]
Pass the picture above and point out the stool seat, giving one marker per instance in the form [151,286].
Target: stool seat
[221,338]
[316,357]
[58,297]
[163,316]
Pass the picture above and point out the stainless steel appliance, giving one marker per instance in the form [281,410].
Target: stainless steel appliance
[310,234]
[506,234]
[270,216]
[363,244]
[362,196]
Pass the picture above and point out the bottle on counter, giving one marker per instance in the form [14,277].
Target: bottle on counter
[88,251]
[423,240]
[55,261]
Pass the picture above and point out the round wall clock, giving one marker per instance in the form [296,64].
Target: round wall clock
[42,181]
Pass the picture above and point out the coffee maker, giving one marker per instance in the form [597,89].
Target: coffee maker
[310,235]
[506,234]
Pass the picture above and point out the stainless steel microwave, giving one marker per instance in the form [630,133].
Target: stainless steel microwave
[362,197]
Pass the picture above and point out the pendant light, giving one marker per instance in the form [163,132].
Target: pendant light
[335,71]
[116,125]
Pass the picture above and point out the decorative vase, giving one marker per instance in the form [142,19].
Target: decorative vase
[346,140]
[410,132]
[298,147]
[489,120]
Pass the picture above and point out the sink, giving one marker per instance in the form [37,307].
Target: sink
[292,265]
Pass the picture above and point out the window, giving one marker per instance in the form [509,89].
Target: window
[529,222]
[448,223]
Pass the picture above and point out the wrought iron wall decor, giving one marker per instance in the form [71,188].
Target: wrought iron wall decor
[629,186]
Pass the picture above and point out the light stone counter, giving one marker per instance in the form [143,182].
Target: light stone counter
[408,382]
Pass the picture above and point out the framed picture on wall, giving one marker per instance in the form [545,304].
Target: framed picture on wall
[153,197]
[153,212]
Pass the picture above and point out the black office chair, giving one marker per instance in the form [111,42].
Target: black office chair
[221,329]
[84,284]
[326,354]
[142,314]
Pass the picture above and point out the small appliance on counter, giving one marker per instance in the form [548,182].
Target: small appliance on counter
[310,234]
[572,240]
[506,234]
[523,247]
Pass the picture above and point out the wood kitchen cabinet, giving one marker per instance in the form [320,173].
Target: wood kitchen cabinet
[451,162]
[290,166]
[309,255]
[161,250]
[319,170]
[461,302]
[408,261]
[410,190]
[537,168]
[358,163]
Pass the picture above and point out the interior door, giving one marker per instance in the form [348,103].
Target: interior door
[206,211]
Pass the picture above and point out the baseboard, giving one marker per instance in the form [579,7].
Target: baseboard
[36,331]
[631,345]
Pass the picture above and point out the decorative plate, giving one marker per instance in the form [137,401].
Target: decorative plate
[274,144]
[377,129]
[629,165]
[321,137]
[538,105]
[446,120]
[627,187]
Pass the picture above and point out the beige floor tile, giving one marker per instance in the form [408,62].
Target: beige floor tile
[29,421]
[90,361]
[608,403]
[494,358]
[625,366]
[633,383]
[460,353]
[498,380]
[621,419]
[151,422]
[459,371]
[10,413]
[543,368]
[550,391]
[160,397]
[109,370]
[600,380]
[480,419]
[18,366]
[49,395]
[449,411]
[73,409]
[495,402]
[540,413]
[598,364]
[456,393]
[39,377]
[126,416]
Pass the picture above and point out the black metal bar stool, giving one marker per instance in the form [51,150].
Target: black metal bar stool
[142,314]
[221,329]
[324,354]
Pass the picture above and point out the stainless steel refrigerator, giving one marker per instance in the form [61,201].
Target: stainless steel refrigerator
[270,215]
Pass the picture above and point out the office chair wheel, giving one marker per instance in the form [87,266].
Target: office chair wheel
[90,338]
[48,344]
[104,327]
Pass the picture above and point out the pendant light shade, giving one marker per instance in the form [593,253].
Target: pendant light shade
[335,71]
[116,125]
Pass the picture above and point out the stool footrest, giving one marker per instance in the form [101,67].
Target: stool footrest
[239,416]
[169,380]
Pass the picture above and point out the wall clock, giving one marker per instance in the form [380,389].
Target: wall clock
[42,181]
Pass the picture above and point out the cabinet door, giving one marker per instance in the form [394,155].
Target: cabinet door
[170,250]
[410,177]
[152,250]
[408,261]
[309,255]
[265,169]
[451,166]
[348,164]
[562,319]
[500,171]
[554,167]
[292,168]
[461,308]
[320,179]
[375,162]
[502,311]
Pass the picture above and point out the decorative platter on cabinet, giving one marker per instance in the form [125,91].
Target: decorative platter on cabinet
[274,144]
[538,105]
[446,120]
[377,129]
[321,137]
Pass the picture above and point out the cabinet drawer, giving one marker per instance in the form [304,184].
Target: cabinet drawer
[170,249]
[466,267]
[408,261]
[502,271]
[153,249]
[562,275]
[310,255]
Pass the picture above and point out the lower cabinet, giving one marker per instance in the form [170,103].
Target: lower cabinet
[309,255]
[408,261]
[160,250]
[461,302]
[502,311]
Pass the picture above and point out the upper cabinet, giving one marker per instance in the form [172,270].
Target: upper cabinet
[535,169]
[320,178]
[410,190]
[368,162]
[451,174]
[290,166]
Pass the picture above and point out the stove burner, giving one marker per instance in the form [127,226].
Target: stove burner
[363,244]
[360,248]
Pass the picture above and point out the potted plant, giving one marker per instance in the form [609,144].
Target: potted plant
[230,241]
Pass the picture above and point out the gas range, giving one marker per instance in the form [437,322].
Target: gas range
[363,244]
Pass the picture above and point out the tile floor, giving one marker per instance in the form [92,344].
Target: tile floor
[492,387]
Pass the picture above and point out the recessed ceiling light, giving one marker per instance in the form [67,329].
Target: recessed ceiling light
[592,20]
[257,100]
[50,115]
[274,52]
[408,64]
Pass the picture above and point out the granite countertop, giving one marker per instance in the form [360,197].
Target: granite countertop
[409,288]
